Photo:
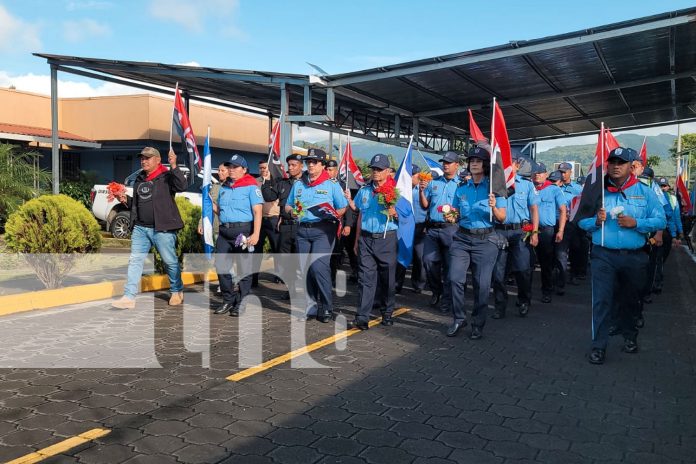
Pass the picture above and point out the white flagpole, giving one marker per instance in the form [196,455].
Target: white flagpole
[171,123]
[601,140]
[490,178]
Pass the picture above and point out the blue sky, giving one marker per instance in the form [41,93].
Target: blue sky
[277,35]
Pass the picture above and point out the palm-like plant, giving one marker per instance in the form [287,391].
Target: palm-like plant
[20,179]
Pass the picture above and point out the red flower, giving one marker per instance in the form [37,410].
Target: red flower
[528,227]
[115,190]
[387,195]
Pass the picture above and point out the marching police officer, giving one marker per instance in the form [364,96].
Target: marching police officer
[575,245]
[269,221]
[420,215]
[239,208]
[552,221]
[521,208]
[316,231]
[631,211]
[436,257]
[672,235]
[347,222]
[278,190]
[475,244]
[376,247]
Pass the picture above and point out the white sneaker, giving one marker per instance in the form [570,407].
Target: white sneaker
[123,303]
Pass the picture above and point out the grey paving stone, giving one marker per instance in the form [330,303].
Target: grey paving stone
[338,446]
[292,437]
[105,454]
[597,450]
[162,444]
[415,430]
[544,441]
[378,438]
[425,448]
[510,449]
[385,455]
[463,440]
[294,455]
[495,433]
[202,436]
[203,454]
[475,456]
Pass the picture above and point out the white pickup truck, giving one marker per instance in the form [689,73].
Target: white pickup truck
[115,216]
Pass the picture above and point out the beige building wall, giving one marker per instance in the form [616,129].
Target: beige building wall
[25,109]
[134,117]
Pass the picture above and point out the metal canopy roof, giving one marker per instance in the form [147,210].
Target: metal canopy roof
[630,74]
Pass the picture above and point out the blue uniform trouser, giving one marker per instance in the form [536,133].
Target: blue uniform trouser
[417,269]
[660,259]
[376,274]
[615,273]
[436,261]
[560,253]
[142,240]
[479,253]
[317,238]
[228,254]
[516,259]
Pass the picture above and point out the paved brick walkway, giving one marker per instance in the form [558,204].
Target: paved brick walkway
[524,393]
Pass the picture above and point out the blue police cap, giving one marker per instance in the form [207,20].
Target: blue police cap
[293,157]
[479,151]
[415,169]
[662,181]
[332,164]
[450,157]
[648,173]
[624,154]
[555,176]
[565,167]
[238,160]
[464,173]
[379,161]
[538,168]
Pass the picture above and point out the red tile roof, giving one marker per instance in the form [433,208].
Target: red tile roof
[39,132]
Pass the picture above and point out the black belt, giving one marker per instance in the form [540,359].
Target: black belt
[622,251]
[316,224]
[440,225]
[288,222]
[516,226]
[376,235]
[235,225]
[483,231]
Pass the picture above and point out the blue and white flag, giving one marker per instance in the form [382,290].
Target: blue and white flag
[434,166]
[404,208]
[208,244]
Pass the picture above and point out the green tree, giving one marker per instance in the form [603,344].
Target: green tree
[19,179]
[654,161]
[688,142]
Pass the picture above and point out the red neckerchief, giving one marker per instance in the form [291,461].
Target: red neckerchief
[632,180]
[161,169]
[245,181]
[324,176]
[544,185]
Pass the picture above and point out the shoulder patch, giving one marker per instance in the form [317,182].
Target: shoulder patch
[258,193]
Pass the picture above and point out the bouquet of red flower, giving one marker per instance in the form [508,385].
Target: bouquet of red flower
[448,212]
[387,196]
[299,208]
[115,191]
[528,229]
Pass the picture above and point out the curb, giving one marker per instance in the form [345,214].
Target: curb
[45,299]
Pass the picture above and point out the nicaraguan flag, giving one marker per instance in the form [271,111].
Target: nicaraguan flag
[208,244]
[404,208]
[434,166]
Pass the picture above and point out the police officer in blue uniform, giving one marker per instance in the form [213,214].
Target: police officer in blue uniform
[239,207]
[521,208]
[552,221]
[376,248]
[438,239]
[631,211]
[347,224]
[475,244]
[420,215]
[575,245]
[316,233]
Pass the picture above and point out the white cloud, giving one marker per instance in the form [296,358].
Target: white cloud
[195,16]
[16,35]
[195,64]
[88,5]
[41,84]
[82,29]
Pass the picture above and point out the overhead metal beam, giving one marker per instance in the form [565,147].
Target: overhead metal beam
[555,96]
[605,65]
[516,49]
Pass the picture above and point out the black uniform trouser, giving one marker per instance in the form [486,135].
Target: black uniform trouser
[377,258]
[417,269]
[661,258]
[560,253]
[516,258]
[268,229]
[578,249]
[317,238]
[436,260]
[616,280]
[546,257]
[287,243]
[227,254]
[342,243]
[479,253]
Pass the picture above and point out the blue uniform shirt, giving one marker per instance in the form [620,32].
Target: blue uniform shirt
[440,192]
[373,217]
[471,201]
[517,205]
[551,199]
[638,201]
[420,214]
[570,191]
[327,192]
[236,203]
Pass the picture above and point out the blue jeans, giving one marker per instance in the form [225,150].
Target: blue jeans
[142,240]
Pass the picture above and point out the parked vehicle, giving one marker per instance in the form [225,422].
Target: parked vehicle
[114,216]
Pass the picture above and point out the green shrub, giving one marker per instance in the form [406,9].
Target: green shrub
[52,231]
[77,191]
[187,238]
[20,179]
